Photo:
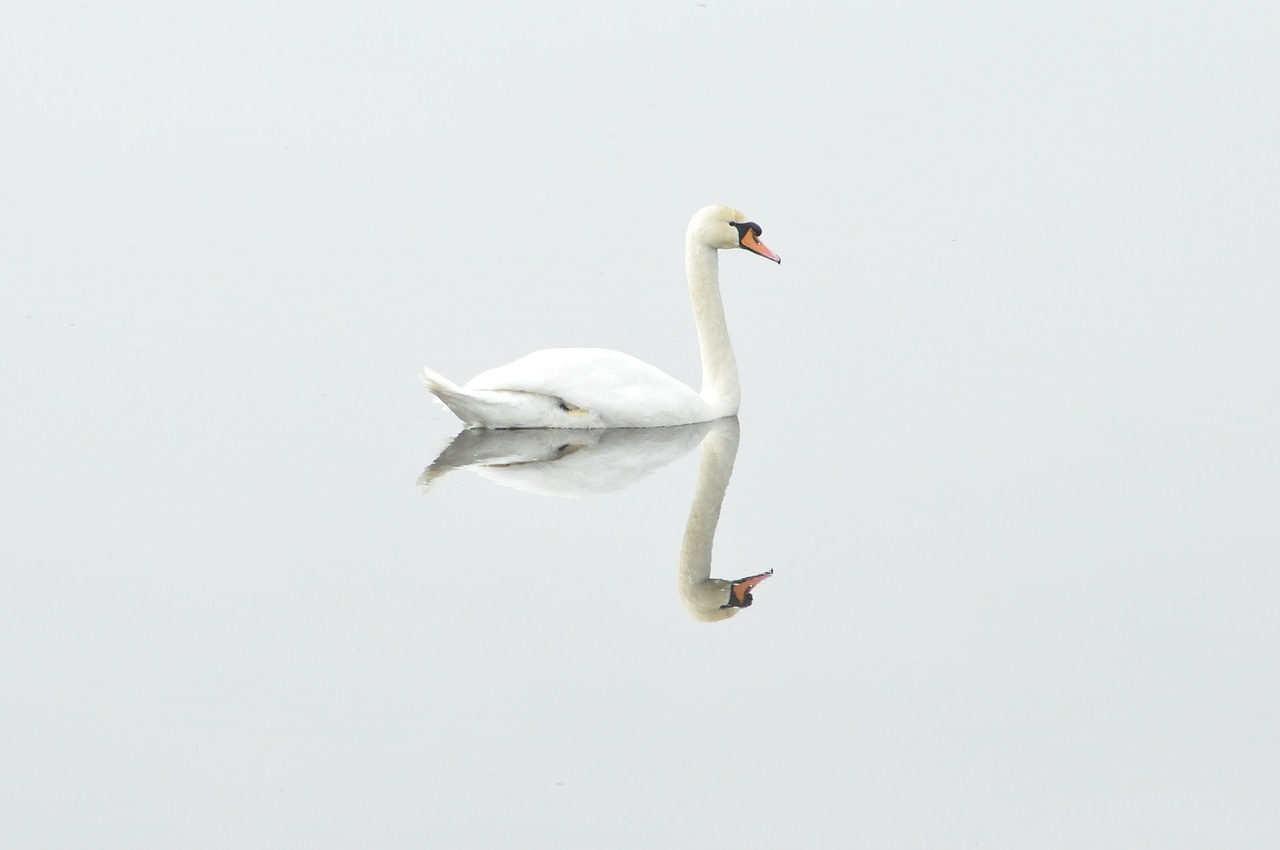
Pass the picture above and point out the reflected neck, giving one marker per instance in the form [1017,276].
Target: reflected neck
[720,387]
[702,595]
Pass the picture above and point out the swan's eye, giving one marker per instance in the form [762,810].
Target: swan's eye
[745,227]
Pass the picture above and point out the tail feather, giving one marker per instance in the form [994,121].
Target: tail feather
[505,408]
[449,394]
[476,409]
[436,381]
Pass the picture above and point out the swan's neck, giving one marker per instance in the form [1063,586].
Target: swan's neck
[720,388]
[702,595]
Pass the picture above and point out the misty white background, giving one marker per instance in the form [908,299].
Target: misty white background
[1008,432]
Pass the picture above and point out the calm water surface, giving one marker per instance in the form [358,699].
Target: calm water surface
[1007,440]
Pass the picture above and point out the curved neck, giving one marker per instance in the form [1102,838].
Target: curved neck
[700,594]
[720,388]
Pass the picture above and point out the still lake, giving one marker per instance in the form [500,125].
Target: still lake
[1007,440]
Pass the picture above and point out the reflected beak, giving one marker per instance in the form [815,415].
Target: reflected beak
[740,590]
[751,243]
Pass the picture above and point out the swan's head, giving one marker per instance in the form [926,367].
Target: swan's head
[724,227]
[716,599]
[740,590]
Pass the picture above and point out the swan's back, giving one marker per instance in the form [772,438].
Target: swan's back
[618,389]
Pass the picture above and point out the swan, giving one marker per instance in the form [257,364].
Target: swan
[587,463]
[551,462]
[599,388]
[703,597]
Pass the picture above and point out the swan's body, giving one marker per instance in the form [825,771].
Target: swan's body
[599,388]
[553,462]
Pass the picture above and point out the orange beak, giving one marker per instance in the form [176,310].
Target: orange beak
[751,243]
[742,587]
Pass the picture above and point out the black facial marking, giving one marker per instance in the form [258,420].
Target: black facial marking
[745,227]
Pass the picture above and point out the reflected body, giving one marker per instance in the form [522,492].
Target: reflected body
[550,462]
[585,388]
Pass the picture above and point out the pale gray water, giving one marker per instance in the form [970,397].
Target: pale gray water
[1008,437]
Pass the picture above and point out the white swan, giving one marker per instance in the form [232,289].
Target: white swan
[551,462]
[598,388]
[703,597]
[554,463]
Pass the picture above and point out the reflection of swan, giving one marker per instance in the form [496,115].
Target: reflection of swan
[583,463]
[706,598]
[550,461]
[597,388]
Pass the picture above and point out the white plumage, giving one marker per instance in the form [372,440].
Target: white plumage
[599,388]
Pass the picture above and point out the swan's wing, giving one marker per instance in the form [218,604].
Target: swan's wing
[618,388]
